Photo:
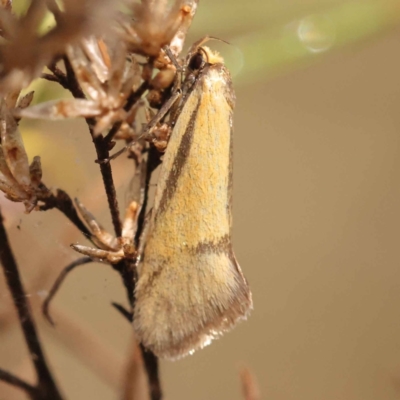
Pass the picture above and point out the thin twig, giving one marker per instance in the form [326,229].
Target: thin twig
[149,359]
[106,173]
[62,202]
[46,386]
[146,132]
[102,153]
[125,268]
[50,77]
[124,312]
[153,375]
[57,75]
[19,383]
[72,83]
[58,282]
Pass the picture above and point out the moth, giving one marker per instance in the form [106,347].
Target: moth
[190,288]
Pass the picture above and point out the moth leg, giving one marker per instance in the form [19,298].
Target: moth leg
[147,131]
[173,59]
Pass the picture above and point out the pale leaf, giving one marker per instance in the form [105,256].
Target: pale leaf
[13,147]
[61,109]
[26,100]
[35,170]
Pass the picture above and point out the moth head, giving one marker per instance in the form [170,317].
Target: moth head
[207,66]
[201,57]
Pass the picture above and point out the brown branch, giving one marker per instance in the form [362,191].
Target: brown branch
[46,387]
[50,77]
[126,268]
[150,362]
[106,173]
[13,380]
[151,365]
[58,282]
[102,152]
[149,359]
[62,202]
[72,84]
[57,75]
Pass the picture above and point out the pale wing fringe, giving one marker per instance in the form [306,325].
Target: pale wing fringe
[198,320]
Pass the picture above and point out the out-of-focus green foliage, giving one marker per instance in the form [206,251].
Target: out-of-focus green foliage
[276,37]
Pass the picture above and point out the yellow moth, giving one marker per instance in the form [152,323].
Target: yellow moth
[190,288]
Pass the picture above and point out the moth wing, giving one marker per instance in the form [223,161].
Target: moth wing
[190,287]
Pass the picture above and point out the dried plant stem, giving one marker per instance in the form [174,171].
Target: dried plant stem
[149,359]
[58,283]
[62,202]
[150,362]
[102,152]
[46,388]
[106,173]
[151,365]
[126,268]
[15,381]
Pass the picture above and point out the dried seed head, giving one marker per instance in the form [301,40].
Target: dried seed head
[164,78]
[18,180]
[159,23]
[109,248]
[26,52]
[107,85]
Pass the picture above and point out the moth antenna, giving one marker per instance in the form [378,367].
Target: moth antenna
[194,47]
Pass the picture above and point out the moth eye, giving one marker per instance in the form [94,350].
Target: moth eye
[196,62]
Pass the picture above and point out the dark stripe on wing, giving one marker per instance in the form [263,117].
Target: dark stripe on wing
[179,162]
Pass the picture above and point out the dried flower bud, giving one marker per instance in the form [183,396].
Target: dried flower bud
[155,98]
[18,180]
[26,52]
[163,79]
[157,24]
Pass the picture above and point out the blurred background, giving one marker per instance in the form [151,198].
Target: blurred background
[316,217]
